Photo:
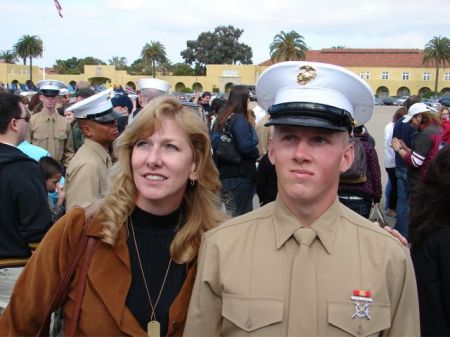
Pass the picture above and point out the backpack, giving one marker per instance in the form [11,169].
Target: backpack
[357,172]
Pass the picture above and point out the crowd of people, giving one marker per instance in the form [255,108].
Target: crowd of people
[177,248]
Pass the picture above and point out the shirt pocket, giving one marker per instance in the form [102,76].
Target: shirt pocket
[340,316]
[255,316]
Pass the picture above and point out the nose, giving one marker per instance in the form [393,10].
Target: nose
[154,159]
[301,151]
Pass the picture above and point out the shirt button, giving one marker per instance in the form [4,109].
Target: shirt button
[175,324]
[360,330]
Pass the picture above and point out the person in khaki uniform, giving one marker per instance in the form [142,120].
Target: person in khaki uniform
[87,171]
[48,129]
[305,265]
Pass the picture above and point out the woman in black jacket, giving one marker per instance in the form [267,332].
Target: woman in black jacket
[430,250]
[238,180]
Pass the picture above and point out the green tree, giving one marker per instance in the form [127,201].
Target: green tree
[338,47]
[288,47]
[8,56]
[120,63]
[182,69]
[75,65]
[29,46]
[219,47]
[437,51]
[152,53]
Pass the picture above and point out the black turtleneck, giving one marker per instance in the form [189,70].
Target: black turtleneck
[153,236]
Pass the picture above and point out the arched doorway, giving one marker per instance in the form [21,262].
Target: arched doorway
[403,91]
[445,92]
[382,92]
[228,87]
[179,87]
[197,87]
[424,91]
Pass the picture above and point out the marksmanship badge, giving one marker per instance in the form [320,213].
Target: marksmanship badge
[362,300]
[306,75]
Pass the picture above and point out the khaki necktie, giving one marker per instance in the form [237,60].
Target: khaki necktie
[51,147]
[303,295]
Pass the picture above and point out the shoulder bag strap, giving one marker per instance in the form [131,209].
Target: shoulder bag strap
[61,290]
[81,286]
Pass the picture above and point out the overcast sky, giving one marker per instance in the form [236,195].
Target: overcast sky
[106,28]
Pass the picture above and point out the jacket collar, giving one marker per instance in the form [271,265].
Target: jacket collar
[286,224]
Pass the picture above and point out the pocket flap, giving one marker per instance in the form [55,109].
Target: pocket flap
[40,135]
[340,315]
[251,313]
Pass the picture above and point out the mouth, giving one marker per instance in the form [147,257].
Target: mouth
[154,177]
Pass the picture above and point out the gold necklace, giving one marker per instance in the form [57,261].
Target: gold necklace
[153,326]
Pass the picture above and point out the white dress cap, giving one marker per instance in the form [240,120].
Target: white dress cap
[97,107]
[153,83]
[303,91]
[50,86]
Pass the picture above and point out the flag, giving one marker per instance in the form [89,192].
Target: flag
[58,8]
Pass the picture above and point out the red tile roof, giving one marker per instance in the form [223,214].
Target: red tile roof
[347,57]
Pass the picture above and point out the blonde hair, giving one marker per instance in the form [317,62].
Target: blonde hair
[201,202]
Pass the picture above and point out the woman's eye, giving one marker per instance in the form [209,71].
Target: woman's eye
[171,146]
[142,144]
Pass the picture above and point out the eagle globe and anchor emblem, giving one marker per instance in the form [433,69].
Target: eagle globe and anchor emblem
[306,74]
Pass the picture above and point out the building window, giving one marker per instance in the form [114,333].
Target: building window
[385,75]
[447,76]
[405,76]
[365,75]
[427,76]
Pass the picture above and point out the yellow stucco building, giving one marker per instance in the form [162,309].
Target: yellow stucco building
[390,72]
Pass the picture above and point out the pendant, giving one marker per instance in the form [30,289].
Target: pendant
[153,329]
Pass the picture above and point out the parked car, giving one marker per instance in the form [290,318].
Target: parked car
[400,100]
[388,100]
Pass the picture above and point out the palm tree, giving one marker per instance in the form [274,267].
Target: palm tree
[437,51]
[154,52]
[288,47]
[120,63]
[8,56]
[29,46]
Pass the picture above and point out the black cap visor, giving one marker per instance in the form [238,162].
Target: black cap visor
[311,115]
[105,117]
[49,93]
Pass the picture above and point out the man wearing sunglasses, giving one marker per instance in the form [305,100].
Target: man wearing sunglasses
[48,129]
[86,174]
[25,216]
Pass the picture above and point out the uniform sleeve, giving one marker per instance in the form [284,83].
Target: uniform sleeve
[83,185]
[39,279]
[205,310]
[68,147]
[405,302]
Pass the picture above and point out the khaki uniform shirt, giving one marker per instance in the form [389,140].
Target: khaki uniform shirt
[86,174]
[53,133]
[243,281]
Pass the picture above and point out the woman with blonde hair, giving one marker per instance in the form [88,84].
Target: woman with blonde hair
[163,194]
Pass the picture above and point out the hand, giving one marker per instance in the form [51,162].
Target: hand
[395,233]
[395,144]
[61,194]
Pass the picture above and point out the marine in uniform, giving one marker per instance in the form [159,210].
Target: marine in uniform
[48,129]
[150,88]
[305,265]
[87,172]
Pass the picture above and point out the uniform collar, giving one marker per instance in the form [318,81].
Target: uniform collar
[286,224]
[97,148]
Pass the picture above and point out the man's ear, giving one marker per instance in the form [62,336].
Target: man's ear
[85,128]
[347,158]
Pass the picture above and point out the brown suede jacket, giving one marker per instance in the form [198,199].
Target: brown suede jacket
[103,310]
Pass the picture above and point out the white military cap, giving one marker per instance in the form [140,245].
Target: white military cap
[50,87]
[64,92]
[97,107]
[314,94]
[415,109]
[153,83]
